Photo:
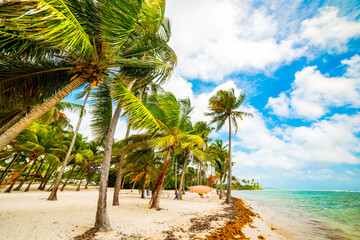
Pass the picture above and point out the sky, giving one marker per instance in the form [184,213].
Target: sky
[298,62]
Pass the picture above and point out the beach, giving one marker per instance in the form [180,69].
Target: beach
[28,215]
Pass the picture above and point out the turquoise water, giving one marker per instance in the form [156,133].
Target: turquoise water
[306,214]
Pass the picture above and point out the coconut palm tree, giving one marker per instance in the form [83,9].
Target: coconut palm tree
[223,107]
[93,158]
[50,48]
[171,115]
[219,160]
[38,141]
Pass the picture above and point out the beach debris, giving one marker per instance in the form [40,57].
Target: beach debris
[88,235]
[261,237]
[169,235]
[232,229]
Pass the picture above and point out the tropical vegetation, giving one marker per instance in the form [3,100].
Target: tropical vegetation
[115,55]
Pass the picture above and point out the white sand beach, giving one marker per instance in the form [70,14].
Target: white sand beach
[30,216]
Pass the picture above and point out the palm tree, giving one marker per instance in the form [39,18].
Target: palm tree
[172,116]
[48,49]
[223,107]
[219,156]
[93,159]
[139,164]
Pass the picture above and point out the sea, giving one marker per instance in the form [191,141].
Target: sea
[309,214]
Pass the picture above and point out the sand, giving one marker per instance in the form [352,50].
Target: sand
[30,216]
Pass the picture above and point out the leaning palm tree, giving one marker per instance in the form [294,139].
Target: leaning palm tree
[50,48]
[172,116]
[223,107]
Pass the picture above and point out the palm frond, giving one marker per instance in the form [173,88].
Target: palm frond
[63,29]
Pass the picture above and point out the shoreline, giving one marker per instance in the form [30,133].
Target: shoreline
[73,215]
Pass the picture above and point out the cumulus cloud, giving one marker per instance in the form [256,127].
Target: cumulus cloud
[313,94]
[324,143]
[214,38]
[329,31]
[85,128]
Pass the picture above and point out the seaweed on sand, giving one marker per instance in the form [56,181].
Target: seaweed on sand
[232,229]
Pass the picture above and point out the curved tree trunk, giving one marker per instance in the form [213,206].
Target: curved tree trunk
[36,113]
[56,183]
[45,177]
[180,193]
[8,168]
[102,219]
[123,182]
[121,161]
[37,171]
[82,176]
[132,189]
[88,179]
[51,186]
[48,178]
[26,177]
[198,173]
[11,185]
[155,200]
[63,186]
[119,172]
[14,180]
[176,176]
[221,191]
[228,192]
[144,183]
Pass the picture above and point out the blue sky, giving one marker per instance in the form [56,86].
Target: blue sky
[299,64]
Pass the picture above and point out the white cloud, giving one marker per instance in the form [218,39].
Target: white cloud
[215,38]
[85,128]
[325,143]
[313,93]
[329,31]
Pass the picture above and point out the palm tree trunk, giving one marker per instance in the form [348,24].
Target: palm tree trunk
[51,186]
[11,185]
[123,182]
[144,183]
[198,173]
[121,161]
[45,177]
[221,191]
[176,176]
[36,113]
[119,172]
[14,180]
[155,199]
[102,219]
[13,120]
[82,176]
[228,192]
[63,186]
[37,171]
[132,189]
[26,177]
[53,194]
[88,179]
[8,168]
[180,193]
